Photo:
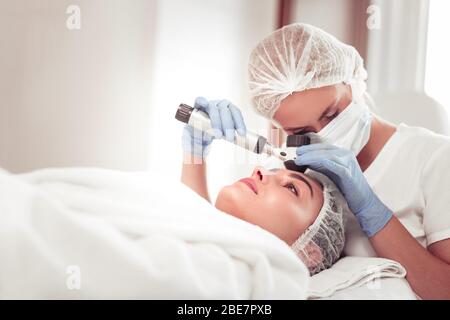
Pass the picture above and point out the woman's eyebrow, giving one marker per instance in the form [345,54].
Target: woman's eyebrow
[299,177]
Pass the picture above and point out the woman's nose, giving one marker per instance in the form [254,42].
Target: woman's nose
[261,174]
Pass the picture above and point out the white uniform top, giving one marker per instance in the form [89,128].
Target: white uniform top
[411,176]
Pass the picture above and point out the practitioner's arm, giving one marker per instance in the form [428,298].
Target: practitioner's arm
[226,118]
[428,271]
[193,175]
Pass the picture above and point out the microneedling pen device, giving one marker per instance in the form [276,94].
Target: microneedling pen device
[251,141]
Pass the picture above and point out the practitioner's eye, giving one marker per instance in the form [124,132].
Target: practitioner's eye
[330,113]
[330,116]
[292,188]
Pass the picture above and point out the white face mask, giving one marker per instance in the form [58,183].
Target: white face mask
[349,130]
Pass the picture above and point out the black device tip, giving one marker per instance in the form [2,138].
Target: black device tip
[290,165]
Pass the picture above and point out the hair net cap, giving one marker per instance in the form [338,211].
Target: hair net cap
[321,245]
[298,57]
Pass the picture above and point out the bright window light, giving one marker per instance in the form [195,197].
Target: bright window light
[438,53]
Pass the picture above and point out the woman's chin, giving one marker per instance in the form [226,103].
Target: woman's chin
[226,202]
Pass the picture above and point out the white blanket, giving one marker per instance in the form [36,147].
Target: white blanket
[94,233]
[354,272]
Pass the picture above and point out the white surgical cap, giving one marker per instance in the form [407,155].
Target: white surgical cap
[321,245]
[299,57]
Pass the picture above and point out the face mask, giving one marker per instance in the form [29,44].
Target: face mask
[349,130]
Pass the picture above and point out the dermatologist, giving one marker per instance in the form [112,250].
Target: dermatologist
[396,179]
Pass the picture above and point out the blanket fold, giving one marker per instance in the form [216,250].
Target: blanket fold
[352,272]
[95,233]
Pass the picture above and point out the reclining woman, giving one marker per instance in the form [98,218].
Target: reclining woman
[306,211]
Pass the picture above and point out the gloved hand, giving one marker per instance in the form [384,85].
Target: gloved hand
[225,117]
[341,166]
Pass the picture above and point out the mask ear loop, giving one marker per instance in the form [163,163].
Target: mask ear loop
[358,87]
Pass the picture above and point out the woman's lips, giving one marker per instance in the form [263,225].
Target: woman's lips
[250,183]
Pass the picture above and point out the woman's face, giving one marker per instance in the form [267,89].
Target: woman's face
[311,110]
[280,201]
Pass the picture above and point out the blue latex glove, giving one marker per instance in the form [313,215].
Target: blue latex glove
[341,166]
[196,142]
[225,117]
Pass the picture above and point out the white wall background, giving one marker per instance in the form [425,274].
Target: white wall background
[335,17]
[396,65]
[74,98]
[202,48]
[438,53]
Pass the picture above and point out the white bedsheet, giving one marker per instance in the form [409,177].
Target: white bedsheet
[378,289]
[132,236]
[361,278]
